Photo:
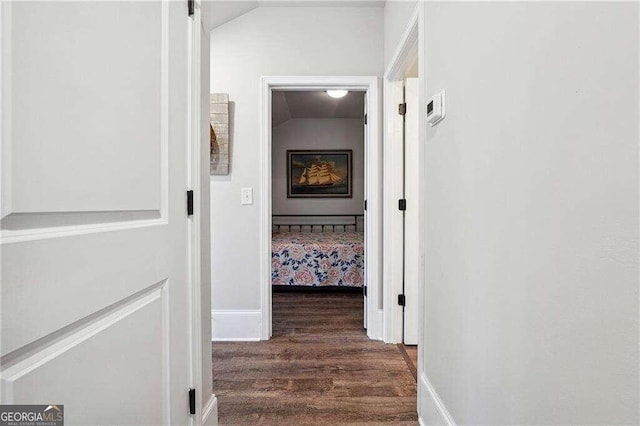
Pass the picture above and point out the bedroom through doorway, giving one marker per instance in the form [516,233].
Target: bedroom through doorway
[318,217]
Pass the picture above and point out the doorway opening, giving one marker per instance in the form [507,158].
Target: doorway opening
[403,201]
[312,171]
[318,193]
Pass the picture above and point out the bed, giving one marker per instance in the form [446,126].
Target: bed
[317,255]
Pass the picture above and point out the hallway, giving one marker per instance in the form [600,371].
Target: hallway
[319,367]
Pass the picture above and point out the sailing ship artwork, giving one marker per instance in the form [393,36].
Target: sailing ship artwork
[318,174]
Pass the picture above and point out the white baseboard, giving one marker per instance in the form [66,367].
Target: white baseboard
[380,325]
[236,326]
[374,326]
[210,412]
[431,409]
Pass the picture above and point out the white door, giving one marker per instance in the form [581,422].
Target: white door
[364,224]
[95,291]
[411,170]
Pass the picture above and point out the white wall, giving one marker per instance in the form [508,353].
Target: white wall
[271,41]
[531,312]
[396,17]
[317,133]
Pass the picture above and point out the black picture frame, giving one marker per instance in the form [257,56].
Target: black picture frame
[324,173]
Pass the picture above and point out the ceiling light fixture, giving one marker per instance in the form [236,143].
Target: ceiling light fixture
[337,93]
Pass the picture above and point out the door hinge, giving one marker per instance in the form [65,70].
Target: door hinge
[402,204]
[191,7]
[401,300]
[192,401]
[364,291]
[365,205]
[365,119]
[190,202]
[402,108]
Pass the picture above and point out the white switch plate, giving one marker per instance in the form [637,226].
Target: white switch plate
[246,196]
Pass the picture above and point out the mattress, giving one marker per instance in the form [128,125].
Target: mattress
[317,259]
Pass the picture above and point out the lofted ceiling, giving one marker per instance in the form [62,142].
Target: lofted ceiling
[218,12]
[314,104]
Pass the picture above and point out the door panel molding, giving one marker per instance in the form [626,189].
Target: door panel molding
[92,338]
[19,226]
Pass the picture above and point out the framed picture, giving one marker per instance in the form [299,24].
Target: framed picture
[319,174]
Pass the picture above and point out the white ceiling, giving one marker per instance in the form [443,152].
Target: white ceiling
[314,3]
[314,104]
[218,12]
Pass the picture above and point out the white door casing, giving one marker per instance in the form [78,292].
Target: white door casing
[411,219]
[96,299]
[366,187]
[373,192]
[402,61]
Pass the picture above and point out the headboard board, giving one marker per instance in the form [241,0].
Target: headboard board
[318,222]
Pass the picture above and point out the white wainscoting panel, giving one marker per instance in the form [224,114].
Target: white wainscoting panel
[236,326]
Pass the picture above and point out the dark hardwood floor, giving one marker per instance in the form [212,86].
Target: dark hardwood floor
[318,368]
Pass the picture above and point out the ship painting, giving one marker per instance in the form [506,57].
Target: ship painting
[319,174]
[314,174]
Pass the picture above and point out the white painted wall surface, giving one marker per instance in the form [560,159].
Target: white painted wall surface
[531,312]
[271,41]
[396,17]
[318,133]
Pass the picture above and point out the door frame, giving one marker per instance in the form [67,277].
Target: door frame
[206,405]
[408,51]
[373,191]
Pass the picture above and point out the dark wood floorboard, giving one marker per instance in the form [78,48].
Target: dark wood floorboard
[318,368]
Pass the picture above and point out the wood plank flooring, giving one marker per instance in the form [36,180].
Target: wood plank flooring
[318,368]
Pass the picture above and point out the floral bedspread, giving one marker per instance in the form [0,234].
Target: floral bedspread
[317,259]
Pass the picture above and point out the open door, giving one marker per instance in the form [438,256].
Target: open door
[366,186]
[411,237]
[95,285]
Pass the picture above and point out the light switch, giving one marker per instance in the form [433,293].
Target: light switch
[246,196]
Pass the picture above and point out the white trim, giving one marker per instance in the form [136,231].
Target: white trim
[407,49]
[431,408]
[236,325]
[210,412]
[194,229]
[373,192]
[403,58]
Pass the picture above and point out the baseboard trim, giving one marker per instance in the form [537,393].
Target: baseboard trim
[236,326]
[431,409]
[374,326]
[210,412]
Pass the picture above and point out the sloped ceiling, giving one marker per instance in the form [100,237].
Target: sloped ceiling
[216,13]
[326,3]
[314,104]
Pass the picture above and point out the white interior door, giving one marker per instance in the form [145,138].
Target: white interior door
[364,224]
[411,240]
[95,292]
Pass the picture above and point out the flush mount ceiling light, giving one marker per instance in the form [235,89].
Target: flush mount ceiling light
[337,93]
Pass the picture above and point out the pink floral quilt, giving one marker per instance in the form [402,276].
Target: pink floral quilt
[317,259]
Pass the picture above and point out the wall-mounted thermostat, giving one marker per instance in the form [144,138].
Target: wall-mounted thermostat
[435,109]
